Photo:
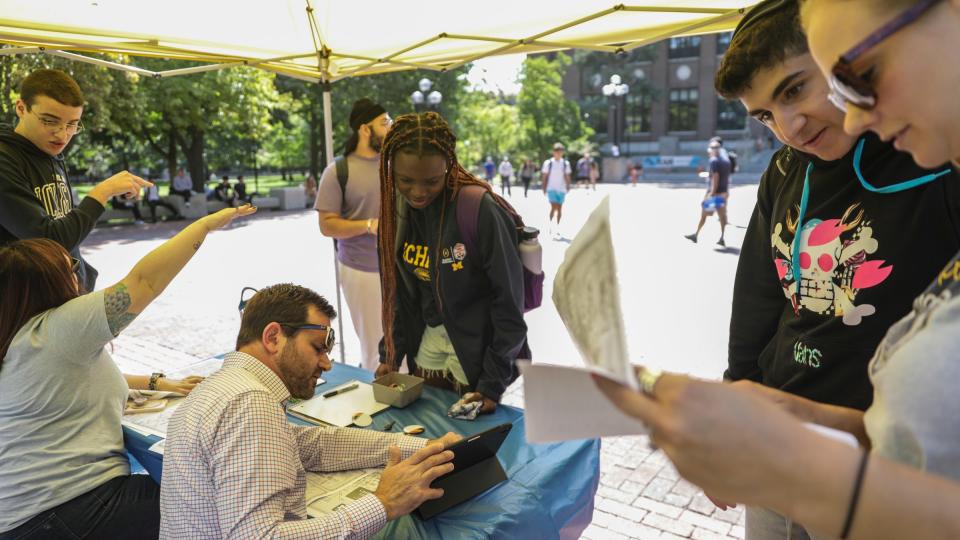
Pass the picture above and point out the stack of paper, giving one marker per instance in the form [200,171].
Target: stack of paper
[562,402]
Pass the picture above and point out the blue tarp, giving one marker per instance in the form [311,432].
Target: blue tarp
[549,492]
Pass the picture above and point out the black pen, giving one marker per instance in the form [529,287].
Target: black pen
[341,390]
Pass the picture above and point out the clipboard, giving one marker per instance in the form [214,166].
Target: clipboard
[338,410]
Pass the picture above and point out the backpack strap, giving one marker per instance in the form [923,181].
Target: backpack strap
[343,173]
[468,214]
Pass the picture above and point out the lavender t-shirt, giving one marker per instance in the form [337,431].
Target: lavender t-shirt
[362,202]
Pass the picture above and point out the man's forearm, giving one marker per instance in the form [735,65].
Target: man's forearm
[340,449]
[339,228]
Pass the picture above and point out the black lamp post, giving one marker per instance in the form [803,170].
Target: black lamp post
[616,90]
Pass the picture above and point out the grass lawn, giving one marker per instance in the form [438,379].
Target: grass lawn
[265,184]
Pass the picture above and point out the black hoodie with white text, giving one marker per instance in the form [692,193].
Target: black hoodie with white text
[36,201]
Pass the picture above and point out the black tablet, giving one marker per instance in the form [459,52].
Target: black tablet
[475,470]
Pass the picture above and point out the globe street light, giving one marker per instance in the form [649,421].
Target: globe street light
[424,99]
[616,90]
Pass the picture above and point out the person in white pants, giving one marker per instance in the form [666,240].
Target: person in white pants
[349,210]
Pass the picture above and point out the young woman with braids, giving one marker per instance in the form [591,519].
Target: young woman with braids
[455,315]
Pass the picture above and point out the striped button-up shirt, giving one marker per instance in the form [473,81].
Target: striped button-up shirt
[235,468]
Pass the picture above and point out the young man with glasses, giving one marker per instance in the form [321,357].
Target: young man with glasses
[847,231]
[235,468]
[348,201]
[36,200]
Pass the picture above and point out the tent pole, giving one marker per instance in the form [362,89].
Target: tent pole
[328,151]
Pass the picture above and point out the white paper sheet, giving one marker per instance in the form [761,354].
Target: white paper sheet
[587,296]
[328,491]
[562,403]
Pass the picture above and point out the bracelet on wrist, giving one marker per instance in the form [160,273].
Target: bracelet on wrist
[855,497]
[155,380]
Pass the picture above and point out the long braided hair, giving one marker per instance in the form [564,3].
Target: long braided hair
[421,134]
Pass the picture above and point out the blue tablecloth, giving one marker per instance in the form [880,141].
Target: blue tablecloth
[549,492]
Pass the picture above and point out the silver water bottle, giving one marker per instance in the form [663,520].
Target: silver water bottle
[531,253]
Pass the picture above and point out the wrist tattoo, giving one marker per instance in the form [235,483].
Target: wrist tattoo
[116,302]
[197,246]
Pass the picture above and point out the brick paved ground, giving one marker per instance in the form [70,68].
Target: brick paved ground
[640,494]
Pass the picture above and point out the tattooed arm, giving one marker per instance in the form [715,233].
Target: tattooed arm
[128,298]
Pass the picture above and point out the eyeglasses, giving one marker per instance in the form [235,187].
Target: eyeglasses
[847,87]
[328,342]
[244,298]
[55,126]
[74,264]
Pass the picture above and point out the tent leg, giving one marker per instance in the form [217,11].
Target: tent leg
[328,150]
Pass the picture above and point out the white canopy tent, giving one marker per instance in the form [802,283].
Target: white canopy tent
[327,40]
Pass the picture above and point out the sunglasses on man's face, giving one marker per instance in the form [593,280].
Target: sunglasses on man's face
[328,342]
[849,87]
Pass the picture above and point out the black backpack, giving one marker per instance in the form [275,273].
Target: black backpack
[343,172]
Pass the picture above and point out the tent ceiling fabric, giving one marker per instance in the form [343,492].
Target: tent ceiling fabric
[361,38]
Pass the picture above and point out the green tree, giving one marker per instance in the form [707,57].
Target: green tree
[546,115]
[392,90]
[225,109]
[286,146]
[486,127]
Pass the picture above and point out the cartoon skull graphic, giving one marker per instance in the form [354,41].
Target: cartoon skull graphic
[819,257]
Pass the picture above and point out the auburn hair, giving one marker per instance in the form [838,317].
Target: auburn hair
[35,275]
[421,134]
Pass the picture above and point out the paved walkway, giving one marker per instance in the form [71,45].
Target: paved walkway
[672,290]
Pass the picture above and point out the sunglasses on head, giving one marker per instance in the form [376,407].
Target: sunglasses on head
[847,86]
[328,342]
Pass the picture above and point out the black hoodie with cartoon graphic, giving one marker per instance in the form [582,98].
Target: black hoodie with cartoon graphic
[863,258]
[36,200]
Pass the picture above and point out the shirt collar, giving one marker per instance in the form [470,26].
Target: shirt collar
[262,373]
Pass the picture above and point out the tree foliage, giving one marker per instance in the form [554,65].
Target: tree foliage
[488,126]
[546,115]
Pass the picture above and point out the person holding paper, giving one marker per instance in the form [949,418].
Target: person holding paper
[847,230]
[454,311]
[834,489]
[63,467]
[235,468]
[909,485]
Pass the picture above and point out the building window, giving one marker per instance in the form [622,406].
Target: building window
[731,115]
[638,113]
[684,47]
[683,109]
[723,42]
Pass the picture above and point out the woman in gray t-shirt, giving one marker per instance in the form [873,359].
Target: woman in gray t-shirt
[63,467]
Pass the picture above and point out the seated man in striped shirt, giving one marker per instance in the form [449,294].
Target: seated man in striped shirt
[235,468]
